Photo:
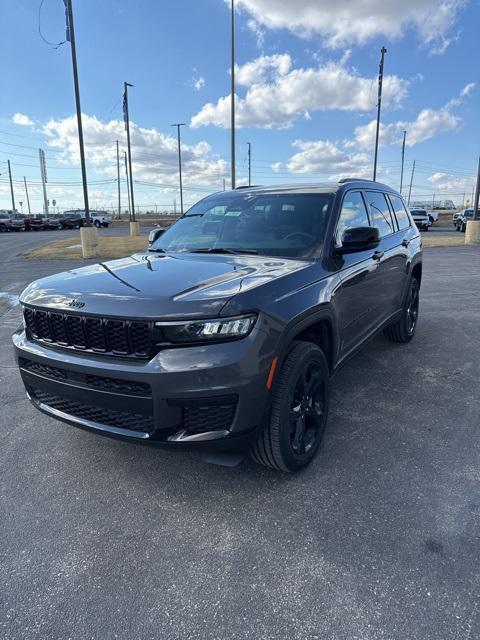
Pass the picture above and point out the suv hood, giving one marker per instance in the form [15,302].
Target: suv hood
[158,286]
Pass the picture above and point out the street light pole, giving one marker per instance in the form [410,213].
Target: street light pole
[411,183]
[11,186]
[249,164]
[127,126]
[128,189]
[118,183]
[26,192]
[178,125]
[476,215]
[71,39]
[403,160]
[232,97]
[379,106]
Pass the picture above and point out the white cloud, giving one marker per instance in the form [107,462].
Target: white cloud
[154,154]
[257,31]
[278,94]
[449,182]
[277,167]
[428,123]
[198,83]
[324,157]
[22,120]
[343,22]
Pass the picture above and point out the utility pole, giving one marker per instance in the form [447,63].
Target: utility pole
[128,190]
[26,191]
[43,174]
[379,106]
[118,183]
[11,186]
[178,125]
[476,214]
[232,98]
[249,164]
[127,126]
[71,38]
[411,183]
[403,160]
[224,184]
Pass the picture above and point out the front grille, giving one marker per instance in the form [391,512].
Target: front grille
[112,385]
[84,333]
[108,417]
[198,419]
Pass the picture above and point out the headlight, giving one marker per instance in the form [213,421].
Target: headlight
[207,330]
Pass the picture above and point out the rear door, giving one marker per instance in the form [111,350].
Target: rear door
[391,255]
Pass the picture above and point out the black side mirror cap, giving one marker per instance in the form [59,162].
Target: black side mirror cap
[155,234]
[359,239]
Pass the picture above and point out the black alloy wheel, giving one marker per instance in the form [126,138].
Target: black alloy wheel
[299,410]
[404,329]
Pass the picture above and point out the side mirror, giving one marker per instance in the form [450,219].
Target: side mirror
[359,239]
[155,234]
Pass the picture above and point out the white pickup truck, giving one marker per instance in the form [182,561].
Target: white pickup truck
[100,218]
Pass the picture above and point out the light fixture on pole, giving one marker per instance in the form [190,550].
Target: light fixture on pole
[178,125]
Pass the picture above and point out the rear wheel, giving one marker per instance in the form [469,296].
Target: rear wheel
[299,411]
[404,329]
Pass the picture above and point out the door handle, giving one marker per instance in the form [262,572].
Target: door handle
[378,255]
[405,243]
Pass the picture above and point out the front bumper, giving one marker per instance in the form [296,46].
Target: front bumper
[211,396]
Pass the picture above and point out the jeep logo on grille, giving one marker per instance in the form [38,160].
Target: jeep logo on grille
[75,304]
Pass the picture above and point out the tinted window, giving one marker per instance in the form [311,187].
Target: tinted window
[400,212]
[380,213]
[353,214]
[275,224]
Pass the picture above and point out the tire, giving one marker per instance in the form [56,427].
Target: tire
[97,224]
[404,330]
[464,228]
[426,228]
[292,436]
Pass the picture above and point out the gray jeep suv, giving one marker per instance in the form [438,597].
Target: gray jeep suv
[224,335]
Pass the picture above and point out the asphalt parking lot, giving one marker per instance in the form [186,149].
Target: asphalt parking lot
[378,539]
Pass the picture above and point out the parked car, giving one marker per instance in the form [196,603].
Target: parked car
[455,216]
[71,220]
[99,218]
[462,219]
[52,221]
[11,221]
[421,219]
[224,335]
[35,222]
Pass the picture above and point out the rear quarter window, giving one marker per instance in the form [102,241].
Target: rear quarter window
[400,211]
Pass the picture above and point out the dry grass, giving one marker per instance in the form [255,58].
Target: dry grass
[108,246]
[443,240]
[122,246]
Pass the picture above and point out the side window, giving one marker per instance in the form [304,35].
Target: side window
[400,212]
[380,213]
[353,214]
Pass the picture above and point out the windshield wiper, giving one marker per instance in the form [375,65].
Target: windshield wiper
[157,250]
[223,250]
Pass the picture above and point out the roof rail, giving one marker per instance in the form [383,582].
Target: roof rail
[354,180]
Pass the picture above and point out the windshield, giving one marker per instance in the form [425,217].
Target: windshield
[277,224]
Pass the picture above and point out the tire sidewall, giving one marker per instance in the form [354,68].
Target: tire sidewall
[298,358]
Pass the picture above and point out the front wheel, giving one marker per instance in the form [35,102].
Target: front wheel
[404,329]
[97,224]
[299,410]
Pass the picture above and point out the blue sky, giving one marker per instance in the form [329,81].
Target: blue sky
[306,94]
